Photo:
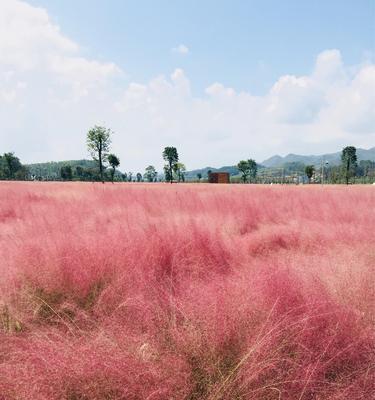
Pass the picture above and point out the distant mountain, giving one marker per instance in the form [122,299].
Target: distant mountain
[287,161]
[332,158]
[273,161]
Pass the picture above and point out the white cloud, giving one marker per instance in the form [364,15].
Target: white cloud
[181,49]
[296,100]
[50,94]
[30,42]
[329,69]
[354,108]
[27,36]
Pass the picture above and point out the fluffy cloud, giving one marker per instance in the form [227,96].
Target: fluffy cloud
[31,43]
[181,49]
[295,100]
[50,94]
[354,105]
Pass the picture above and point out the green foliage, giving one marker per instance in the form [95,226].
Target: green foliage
[66,173]
[170,155]
[168,174]
[11,168]
[82,170]
[294,167]
[98,145]
[309,171]
[114,162]
[243,167]
[139,177]
[253,168]
[248,168]
[349,162]
[199,176]
[179,169]
[150,173]
[366,168]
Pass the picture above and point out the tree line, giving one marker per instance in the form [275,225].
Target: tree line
[105,167]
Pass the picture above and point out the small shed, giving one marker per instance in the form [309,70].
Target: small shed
[218,177]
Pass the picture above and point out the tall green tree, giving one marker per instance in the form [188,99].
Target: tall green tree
[150,173]
[170,155]
[98,144]
[199,176]
[309,171]
[349,162]
[114,162]
[139,177]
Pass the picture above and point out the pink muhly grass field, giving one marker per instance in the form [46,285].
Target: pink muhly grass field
[155,291]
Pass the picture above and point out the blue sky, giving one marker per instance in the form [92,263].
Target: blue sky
[246,45]
[220,80]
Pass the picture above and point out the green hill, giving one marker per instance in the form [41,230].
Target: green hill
[333,158]
[51,170]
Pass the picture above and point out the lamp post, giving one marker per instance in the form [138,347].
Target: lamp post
[324,163]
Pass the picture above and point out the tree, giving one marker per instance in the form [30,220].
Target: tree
[199,176]
[150,173]
[349,162]
[309,171]
[11,167]
[244,168]
[180,170]
[248,168]
[124,177]
[139,177]
[170,155]
[167,174]
[12,164]
[253,168]
[130,176]
[98,144]
[22,173]
[114,162]
[366,168]
[66,173]
[79,172]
